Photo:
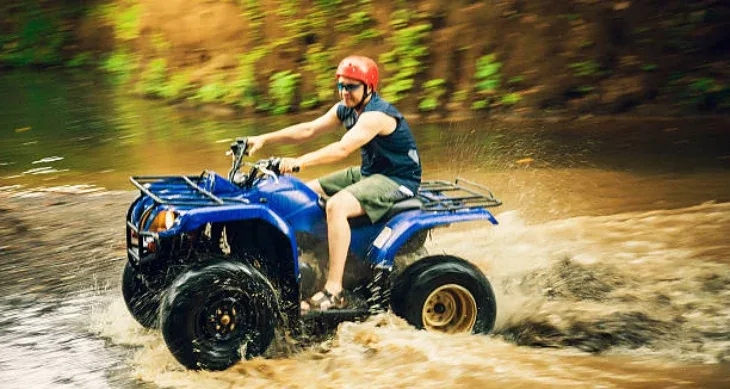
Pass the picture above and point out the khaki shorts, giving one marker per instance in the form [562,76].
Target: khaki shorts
[376,193]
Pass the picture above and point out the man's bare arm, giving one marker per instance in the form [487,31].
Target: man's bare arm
[298,132]
[369,125]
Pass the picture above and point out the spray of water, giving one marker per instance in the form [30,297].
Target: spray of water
[652,287]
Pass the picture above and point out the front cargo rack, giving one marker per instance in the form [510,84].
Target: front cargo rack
[180,190]
[442,195]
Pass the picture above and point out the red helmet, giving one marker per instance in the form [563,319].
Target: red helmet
[359,68]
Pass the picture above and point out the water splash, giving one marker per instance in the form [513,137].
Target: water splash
[604,301]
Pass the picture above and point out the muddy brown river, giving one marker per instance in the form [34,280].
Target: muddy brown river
[610,262]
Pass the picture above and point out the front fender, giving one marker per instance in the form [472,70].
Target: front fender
[398,230]
[193,219]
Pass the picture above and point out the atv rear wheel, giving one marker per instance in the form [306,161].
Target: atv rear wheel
[142,298]
[445,294]
[210,314]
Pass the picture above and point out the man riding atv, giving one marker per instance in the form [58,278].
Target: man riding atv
[390,169]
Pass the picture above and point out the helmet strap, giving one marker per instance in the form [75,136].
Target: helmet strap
[365,95]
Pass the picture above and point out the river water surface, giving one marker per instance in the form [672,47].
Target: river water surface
[610,262]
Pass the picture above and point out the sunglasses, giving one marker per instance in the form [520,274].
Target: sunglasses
[348,87]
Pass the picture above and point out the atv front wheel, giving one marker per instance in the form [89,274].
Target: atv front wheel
[210,314]
[445,294]
[142,298]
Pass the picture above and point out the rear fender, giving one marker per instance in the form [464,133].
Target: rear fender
[399,229]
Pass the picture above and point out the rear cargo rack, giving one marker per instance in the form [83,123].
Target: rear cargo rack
[442,195]
[180,190]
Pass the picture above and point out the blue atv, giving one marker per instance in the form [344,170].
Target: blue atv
[219,264]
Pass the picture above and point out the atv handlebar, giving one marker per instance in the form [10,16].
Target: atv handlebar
[269,166]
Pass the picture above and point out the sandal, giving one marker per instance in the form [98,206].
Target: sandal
[324,300]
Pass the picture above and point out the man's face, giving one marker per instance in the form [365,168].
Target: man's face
[351,90]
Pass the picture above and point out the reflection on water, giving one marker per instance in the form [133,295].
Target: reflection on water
[46,343]
[82,132]
[610,260]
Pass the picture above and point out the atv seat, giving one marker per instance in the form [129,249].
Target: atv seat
[407,204]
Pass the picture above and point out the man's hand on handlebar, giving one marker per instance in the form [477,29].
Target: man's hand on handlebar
[254,144]
[289,165]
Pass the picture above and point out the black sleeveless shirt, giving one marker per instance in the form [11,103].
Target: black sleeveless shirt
[394,156]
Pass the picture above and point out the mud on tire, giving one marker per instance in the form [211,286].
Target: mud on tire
[210,314]
[142,298]
[444,294]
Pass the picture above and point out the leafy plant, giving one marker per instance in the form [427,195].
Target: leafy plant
[355,21]
[153,78]
[177,87]
[121,64]
[707,93]
[585,68]
[38,40]
[255,16]
[487,78]
[244,88]
[126,22]
[460,96]
[211,93]
[487,75]
[319,63]
[405,59]
[282,90]
[433,89]
[80,60]
[515,80]
[288,8]
[511,98]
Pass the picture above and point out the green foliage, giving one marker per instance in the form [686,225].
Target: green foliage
[355,21]
[310,101]
[127,23]
[80,60]
[124,18]
[328,5]
[255,16]
[152,80]
[649,67]
[585,68]
[211,93]
[37,41]
[400,18]
[121,64]
[244,88]
[487,75]
[288,8]
[177,87]
[479,104]
[367,34]
[404,60]
[434,90]
[707,93]
[511,98]
[160,43]
[487,80]
[515,80]
[318,62]
[282,90]
[460,96]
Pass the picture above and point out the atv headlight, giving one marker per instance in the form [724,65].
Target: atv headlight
[163,221]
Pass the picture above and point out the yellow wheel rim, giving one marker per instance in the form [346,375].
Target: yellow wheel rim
[451,309]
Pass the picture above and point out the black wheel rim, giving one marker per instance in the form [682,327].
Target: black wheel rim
[224,318]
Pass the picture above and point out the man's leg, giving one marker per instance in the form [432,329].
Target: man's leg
[340,207]
[316,187]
